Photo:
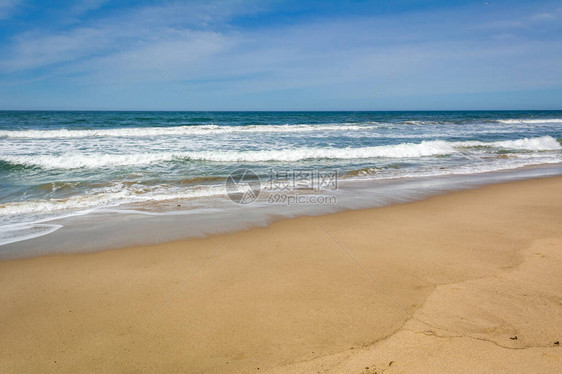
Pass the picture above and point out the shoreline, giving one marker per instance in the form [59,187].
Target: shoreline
[472,269]
[110,228]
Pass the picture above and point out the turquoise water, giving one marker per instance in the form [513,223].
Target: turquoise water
[55,164]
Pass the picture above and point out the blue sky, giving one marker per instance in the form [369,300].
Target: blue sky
[280,55]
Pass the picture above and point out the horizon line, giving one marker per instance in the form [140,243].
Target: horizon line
[279,110]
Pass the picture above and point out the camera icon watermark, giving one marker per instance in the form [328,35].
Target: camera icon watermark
[286,187]
[243,186]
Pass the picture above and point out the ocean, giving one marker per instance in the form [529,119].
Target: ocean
[79,173]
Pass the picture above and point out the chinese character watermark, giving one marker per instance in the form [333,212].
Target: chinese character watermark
[301,179]
[288,187]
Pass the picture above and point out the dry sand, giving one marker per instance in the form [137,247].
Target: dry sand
[466,282]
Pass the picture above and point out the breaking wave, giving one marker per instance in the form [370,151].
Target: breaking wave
[532,121]
[176,131]
[402,150]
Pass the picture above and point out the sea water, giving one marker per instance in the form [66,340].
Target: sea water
[81,173]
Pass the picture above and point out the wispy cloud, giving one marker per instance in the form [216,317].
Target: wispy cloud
[80,7]
[7,7]
[174,24]
[333,58]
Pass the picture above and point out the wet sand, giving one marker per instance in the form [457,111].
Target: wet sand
[465,282]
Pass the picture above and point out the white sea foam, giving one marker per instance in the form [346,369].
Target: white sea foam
[543,143]
[177,131]
[541,120]
[91,160]
[71,161]
[497,165]
[120,194]
[25,231]
[403,150]
[108,197]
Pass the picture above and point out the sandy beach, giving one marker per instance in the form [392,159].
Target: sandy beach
[465,282]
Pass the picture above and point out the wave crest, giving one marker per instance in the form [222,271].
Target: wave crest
[176,131]
[402,150]
[531,121]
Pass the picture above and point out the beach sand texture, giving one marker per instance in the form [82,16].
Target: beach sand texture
[470,281]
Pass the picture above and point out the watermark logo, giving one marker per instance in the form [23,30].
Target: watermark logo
[292,180]
[285,187]
[243,186]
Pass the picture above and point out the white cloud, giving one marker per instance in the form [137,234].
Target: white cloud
[333,57]
[7,7]
[542,17]
[125,31]
[84,6]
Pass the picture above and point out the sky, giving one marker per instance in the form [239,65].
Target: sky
[280,55]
